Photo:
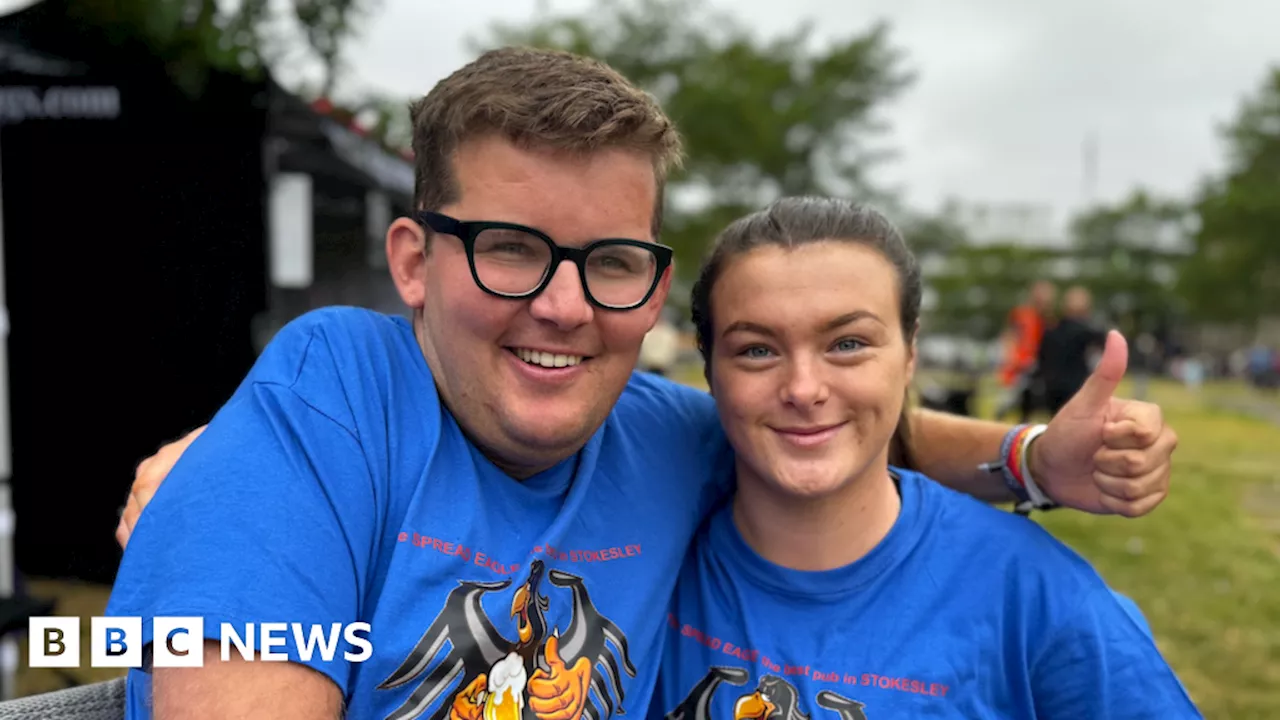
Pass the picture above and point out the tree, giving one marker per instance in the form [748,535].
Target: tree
[1128,254]
[195,36]
[1233,274]
[972,288]
[760,118]
[327,25]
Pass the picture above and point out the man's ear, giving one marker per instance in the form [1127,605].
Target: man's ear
[406,259]
[659,299]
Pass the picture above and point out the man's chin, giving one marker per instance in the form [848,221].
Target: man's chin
[552,429]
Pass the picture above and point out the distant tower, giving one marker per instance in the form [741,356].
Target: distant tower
[1090,161]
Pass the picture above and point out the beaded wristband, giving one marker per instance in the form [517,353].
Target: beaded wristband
[1013,467]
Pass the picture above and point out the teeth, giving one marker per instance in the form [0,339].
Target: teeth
[545,359]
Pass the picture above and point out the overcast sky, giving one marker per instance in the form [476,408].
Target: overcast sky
[1007,90]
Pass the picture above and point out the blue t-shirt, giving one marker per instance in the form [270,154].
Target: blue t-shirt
[335,488]
[962,611]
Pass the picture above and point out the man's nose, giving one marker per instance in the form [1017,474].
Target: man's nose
[564,301]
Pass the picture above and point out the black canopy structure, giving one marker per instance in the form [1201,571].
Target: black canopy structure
[152,238]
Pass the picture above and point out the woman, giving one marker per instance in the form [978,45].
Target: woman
[835,584]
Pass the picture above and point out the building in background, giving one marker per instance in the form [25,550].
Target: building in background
[154,232]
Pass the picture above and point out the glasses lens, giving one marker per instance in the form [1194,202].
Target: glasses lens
[620,275]
[510,261]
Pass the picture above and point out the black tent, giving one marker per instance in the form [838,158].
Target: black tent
[138,225]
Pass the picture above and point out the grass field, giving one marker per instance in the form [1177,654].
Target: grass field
[1205,566]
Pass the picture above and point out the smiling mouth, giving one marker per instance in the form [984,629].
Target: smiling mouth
[546,359]
[809,437]
[807,431]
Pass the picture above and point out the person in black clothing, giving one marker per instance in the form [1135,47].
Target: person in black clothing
[1063,358]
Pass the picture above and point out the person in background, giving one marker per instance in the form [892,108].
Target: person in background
[1021,340]
[1066,348]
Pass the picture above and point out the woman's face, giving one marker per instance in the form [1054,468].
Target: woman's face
[810,364]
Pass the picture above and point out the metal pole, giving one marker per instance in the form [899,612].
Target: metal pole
[8,573]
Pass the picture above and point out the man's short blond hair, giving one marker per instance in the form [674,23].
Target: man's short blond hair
[544,99]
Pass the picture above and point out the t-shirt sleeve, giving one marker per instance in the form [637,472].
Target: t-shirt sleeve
[690,415]
[268,517]
[680,425]
[1103,662]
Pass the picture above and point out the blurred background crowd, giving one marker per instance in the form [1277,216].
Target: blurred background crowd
[179,178]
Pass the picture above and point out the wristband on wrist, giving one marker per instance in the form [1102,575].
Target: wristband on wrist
[1014,468]
[1039,500]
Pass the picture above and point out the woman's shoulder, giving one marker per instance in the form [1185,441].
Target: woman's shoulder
[996,540]
[1085,644]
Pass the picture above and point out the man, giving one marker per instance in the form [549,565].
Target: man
[489,486]
[1021,341]
[1064,352]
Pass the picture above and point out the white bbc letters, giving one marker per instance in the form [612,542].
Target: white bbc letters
[53,642]
[116,642]
[179,642]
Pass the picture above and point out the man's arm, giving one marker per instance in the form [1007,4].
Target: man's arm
[1100,454]
[949,449]
[268,517]
[200,693]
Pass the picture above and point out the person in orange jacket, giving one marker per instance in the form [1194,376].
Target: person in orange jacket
[1024,329]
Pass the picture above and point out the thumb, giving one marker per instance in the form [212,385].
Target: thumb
[1101,385]
[552,650]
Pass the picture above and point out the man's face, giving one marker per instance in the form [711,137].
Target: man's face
[1043,295]
[484,351]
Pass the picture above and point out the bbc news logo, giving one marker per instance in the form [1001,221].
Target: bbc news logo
[116,642]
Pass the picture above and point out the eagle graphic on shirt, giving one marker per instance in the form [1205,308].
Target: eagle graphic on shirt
[542,674]
[773,699]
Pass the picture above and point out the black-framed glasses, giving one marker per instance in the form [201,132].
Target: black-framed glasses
[514,261]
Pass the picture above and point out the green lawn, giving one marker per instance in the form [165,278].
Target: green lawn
[1205,566]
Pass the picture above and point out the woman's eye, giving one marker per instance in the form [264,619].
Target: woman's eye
[848,345]
[756,352]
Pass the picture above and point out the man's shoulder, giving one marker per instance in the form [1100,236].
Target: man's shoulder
[349,334]
[653,398]
[670,434]
[338,359]
[342,324]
